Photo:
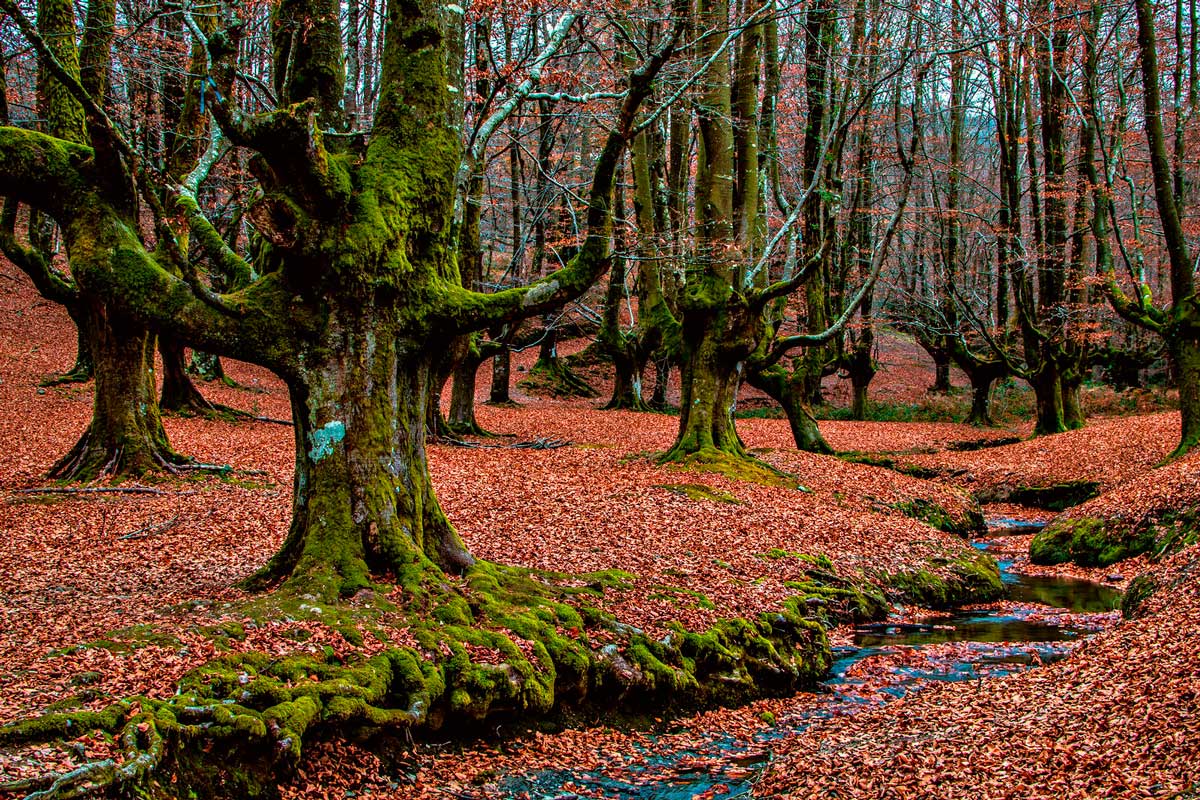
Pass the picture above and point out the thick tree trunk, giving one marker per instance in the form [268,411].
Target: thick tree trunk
[981,397]
[364,501]
[550,374]
[179,394]
[785,389]
[662,379]
[709,381]
[627,380]
[208,367]
[501,377]
[125,436]
[1047,390]
[941,370]
[1073,416]
[461,418]
[1185,353]
[862,370]
[84,367]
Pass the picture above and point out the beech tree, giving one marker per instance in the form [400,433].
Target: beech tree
[126,433]
[359,285]
[1177,319]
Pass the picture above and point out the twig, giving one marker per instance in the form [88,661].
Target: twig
[274,421]
[223,469]
[98,490]
[150,530]
[535,444]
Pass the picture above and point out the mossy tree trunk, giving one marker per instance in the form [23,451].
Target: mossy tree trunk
[364,501]
[718,329]
[1185,353]
[178,394]
[711,350]
[783,386]
[460,419]
[662,380]
[361,289]
[861,367]
[500,393]
[1179,322]
[1048,400]
[941,366]
[982,375]
[1072,400]
[125,435]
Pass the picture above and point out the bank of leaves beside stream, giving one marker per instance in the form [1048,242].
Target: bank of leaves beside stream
[1117,719]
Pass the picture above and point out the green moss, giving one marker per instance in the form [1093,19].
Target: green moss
[887,462]
[699,491]
[739,468]
[1095,542]
[1056,497]
[938,517]
[682,597]
[950,581]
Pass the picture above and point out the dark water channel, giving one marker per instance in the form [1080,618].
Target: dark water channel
[1027,631]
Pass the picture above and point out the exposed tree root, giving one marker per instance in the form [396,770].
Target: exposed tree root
[80,373]
[554,378]
[95,457]
[504,642]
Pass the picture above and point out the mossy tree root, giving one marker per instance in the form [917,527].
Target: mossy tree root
[552,376]
[509,642]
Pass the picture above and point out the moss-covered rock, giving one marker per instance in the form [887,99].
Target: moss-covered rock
[938,516]
[1096,542]
[1055,497]
[972,577]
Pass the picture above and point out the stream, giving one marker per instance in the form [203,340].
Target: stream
[1041,622]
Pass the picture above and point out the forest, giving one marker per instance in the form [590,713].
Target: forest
[656,399]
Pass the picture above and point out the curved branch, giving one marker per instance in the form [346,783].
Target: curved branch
[464,310]
[50,283]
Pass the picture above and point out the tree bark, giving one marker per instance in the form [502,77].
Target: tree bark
[125,435]
[364,500]
[501,372]
[786,389]
[1048,394]
[179,394]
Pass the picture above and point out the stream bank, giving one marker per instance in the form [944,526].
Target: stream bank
[1042,621]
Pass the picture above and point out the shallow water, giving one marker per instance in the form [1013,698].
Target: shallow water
[726,766]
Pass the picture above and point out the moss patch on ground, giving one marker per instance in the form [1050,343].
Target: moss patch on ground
[700,491]
[1055,497]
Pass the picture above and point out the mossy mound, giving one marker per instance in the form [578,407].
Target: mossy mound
[736,467]
[946,581]
[1055,497]
[1096,542]
[887,462]
[553,378]
[938,516]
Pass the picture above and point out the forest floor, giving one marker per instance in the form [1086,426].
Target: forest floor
[76,567]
